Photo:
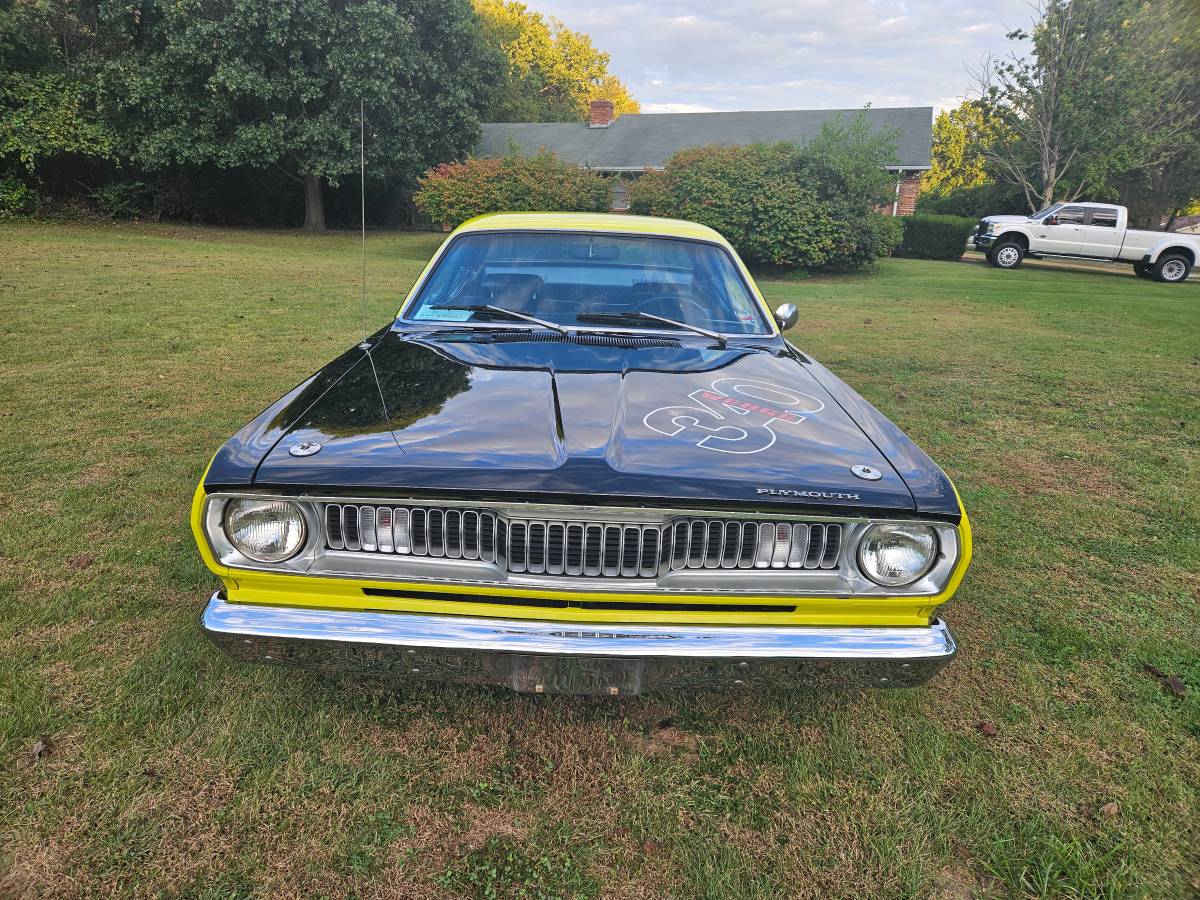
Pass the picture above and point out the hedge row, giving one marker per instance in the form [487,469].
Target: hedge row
[783,206]
[935,237]
[454,192]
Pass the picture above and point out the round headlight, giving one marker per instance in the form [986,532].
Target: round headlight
[895,555]
[265,530]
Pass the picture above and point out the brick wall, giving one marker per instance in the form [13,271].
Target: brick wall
[906,197]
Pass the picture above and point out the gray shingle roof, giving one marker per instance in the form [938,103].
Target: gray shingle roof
[647,140]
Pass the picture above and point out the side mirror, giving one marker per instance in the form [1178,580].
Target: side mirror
[786,316]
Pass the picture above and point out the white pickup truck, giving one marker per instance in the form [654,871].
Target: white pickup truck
[1087,231]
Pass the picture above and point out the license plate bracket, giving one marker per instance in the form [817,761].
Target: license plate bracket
[580,675]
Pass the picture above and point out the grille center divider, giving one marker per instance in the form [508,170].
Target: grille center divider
[565,547]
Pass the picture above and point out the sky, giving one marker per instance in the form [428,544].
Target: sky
[707,55]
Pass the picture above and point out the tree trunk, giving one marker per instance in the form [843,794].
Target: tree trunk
[314,204]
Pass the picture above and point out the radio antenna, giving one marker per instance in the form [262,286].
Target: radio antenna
[362,193]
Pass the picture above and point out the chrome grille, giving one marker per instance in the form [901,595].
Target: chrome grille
[726,544]
[414,531]
[583,548]
[564,547]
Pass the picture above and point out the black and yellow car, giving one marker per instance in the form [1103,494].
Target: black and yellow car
[583,459]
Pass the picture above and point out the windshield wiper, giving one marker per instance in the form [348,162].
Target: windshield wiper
[601,318]
[508,313]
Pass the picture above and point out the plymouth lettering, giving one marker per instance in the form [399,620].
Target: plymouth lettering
[812,495]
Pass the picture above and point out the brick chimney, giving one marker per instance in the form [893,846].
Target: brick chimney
[600,113]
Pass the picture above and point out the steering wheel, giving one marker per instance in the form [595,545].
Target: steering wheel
[672,298]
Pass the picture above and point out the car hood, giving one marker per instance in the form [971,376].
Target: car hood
[999,219]
[528,413]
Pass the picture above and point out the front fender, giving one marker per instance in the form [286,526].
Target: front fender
[1018,231]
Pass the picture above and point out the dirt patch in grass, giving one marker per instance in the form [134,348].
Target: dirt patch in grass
[665,740]
[1036,474]
[457,756]
[485,824]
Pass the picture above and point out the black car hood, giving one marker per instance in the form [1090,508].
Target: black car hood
[503,413]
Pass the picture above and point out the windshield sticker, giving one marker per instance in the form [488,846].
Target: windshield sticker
[734,415]
[432,314]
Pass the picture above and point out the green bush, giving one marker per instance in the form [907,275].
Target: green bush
[935,237]
[16,198]
[989,199]
[454,192]
[785,206]
[122,199]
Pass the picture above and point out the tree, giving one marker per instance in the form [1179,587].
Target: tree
[959,138]
[1166,184]
[1100,97]
[277,83]
[612,88]
[47,54]
[553,72]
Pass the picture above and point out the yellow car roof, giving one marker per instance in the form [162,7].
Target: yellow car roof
[600,222]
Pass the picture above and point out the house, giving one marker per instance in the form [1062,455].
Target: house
[641,142]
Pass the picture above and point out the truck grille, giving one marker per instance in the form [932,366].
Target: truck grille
[564,547]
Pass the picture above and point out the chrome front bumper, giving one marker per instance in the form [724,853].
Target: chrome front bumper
[568,657]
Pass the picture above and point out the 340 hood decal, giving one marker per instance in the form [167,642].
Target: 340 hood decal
[713,424]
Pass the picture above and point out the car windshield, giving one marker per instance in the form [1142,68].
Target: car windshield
[567,278]
[1042,213]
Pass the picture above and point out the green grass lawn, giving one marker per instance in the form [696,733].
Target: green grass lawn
[1065,404]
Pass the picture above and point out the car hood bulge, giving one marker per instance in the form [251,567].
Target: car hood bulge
[520,415]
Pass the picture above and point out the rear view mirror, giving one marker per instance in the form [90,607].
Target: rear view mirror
[592,250]
[787,316]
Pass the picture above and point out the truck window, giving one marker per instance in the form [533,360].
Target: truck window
[1104,218]
[1070,215]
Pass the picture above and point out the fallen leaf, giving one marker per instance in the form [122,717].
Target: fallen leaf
[651,846]
[1175,685]
[866,321]
[1154,670]
[668,722]
[82,561]
[988,729]
[1110,809]
[901,396]
[41,748]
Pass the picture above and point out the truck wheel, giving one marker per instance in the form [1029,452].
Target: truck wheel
[1143,270]
[1172,268]
[1007,255]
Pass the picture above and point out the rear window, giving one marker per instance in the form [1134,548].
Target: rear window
[1104,218]
[558,276]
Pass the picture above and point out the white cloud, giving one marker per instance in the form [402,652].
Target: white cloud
[675,108]
[696,55]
